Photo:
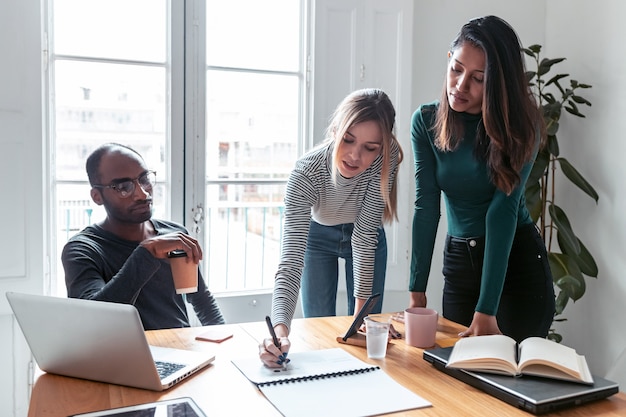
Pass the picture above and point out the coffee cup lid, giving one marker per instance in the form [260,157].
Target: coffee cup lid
[177,253]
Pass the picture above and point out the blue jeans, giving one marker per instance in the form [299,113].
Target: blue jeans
[527,302]
[325,245]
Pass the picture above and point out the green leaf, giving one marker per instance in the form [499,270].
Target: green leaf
[581,100]
[553,144]
[561,90]
[583,259]
[535,48]
[546,64]
[574,288]
[539,166]
[533,200]
[573,110]
[560,303]
[549,97]
[577,179]
[555,337]
[566,275]
[573,105]
[552,127]
[530,75]
[558,268]
[563,226]
[556,78]
[552,109]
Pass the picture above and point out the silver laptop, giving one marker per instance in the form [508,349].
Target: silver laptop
[533,394]
[100,341]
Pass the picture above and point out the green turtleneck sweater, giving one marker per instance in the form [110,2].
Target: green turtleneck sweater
[474,207]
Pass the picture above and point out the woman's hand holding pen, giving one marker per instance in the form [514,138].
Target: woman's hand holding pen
[274,356]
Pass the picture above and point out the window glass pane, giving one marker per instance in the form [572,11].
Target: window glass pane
[261,34]
[252,125]
[245,224]
[75,209]
[120,29]
[97,103]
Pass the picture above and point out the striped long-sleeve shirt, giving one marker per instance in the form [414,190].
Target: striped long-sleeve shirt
[312,193]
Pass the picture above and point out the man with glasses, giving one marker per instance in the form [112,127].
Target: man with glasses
[123,259]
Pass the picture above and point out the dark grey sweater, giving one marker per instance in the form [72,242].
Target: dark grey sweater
[101,266]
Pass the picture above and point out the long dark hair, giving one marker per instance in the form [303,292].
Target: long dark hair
[511,119]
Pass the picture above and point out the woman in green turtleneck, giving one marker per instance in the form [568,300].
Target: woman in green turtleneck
[477,145]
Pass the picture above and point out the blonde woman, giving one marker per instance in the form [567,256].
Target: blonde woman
[337,198]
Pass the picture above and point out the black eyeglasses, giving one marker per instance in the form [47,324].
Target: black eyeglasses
[125,188]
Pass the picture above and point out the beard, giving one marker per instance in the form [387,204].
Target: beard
[136,213]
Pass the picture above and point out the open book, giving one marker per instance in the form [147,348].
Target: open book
[329,382]
[533,356]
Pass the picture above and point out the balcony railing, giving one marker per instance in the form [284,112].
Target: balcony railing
[241,247]
[243,244]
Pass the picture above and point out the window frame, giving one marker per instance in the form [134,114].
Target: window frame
[195,189]
[185,135]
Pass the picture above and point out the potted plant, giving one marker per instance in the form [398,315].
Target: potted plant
[574,261]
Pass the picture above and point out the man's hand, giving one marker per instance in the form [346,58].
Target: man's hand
[160,246]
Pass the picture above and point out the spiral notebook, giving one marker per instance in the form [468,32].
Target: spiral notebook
[329,382]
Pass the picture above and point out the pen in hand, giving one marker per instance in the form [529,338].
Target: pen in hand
[282,359]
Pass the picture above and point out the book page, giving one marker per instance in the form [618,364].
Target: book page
[493,353]
[354,395]
[302,365]
[544,357]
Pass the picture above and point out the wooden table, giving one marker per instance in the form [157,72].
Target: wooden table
[221,390]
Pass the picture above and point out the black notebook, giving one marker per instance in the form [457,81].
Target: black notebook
[537,395]
[329,382]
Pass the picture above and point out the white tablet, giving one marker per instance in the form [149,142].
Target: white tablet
[177,407]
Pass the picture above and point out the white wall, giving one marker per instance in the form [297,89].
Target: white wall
[590,34]
[22,190]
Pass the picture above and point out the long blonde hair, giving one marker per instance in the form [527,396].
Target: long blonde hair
[370,104]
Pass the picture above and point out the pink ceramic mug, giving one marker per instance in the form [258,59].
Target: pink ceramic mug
[421,326]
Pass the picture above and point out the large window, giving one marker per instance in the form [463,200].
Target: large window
[254,96]
[119,72]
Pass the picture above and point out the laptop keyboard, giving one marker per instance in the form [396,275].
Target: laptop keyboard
[166,369]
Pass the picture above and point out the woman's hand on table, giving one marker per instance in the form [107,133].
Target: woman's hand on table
[482,324]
